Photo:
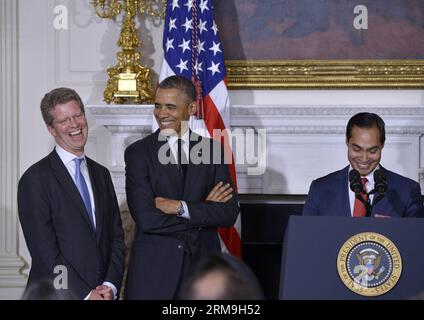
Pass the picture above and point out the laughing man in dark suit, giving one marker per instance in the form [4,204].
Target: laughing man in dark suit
[177,205]
[68,209]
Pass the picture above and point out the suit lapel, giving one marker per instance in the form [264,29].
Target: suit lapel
[65,180]
[97,187]
[189,165]
[192,175]
[171,169]
[343,184]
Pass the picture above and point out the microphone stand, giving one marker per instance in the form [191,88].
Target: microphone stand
[368,205]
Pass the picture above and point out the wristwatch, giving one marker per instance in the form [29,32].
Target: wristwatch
[180,210]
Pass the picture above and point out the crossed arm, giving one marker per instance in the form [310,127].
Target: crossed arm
[220,193]
[154,209]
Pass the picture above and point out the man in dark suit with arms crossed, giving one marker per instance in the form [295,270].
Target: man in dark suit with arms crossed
[68,208]
[331,195]
[177,206]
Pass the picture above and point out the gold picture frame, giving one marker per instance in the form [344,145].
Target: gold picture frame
[311,44]
[325,74]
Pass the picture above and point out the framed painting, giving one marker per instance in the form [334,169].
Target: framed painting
[322,43]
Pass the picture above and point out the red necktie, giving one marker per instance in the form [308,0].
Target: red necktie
[359,207]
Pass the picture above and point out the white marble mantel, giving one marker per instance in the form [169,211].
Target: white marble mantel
[303,142]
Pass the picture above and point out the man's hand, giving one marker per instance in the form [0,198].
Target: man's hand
[105,291]
[220,193]
[168,206]
[102,292]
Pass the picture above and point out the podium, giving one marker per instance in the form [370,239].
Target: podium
[352,258]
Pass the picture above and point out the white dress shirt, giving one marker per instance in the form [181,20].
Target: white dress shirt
[369,185]
[173,145]
[68,160]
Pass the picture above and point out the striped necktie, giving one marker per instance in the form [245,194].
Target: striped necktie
[83,189]
[359,208]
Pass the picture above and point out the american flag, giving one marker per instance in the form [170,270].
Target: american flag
[193,49]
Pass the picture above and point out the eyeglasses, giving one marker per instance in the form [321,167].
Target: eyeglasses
[68,120]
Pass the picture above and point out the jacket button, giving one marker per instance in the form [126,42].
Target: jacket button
[180,246]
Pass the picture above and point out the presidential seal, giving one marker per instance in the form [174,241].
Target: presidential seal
[369,264]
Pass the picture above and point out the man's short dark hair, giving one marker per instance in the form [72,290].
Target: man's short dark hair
[55,97]
[240,283]
[366,120]
[180,83]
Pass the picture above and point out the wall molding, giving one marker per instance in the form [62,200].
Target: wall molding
[11,263]
[286,110]
[395,130]
[404,120]
[297,138]
[105,110]
[421,178]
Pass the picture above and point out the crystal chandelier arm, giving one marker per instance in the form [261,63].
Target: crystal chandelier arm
[107,9]
[153,8]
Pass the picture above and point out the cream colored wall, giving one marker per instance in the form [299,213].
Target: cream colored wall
[78,57]
[329,97]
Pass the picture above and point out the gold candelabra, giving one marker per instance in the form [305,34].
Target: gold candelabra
[128,80]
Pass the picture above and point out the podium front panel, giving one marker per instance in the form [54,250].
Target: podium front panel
[312,244]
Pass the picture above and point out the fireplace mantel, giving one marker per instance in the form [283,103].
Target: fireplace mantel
[302,142]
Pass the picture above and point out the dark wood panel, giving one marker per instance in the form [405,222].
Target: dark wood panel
[266,222]
[263,227]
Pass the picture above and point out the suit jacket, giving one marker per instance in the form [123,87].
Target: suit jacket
[57,229]
[329,196]
[166,247]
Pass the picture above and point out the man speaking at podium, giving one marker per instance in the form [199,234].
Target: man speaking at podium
[364,188]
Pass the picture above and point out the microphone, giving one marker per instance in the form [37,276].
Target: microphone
[380,182]
[355,182]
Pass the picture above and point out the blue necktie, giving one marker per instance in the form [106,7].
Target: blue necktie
[83,189]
